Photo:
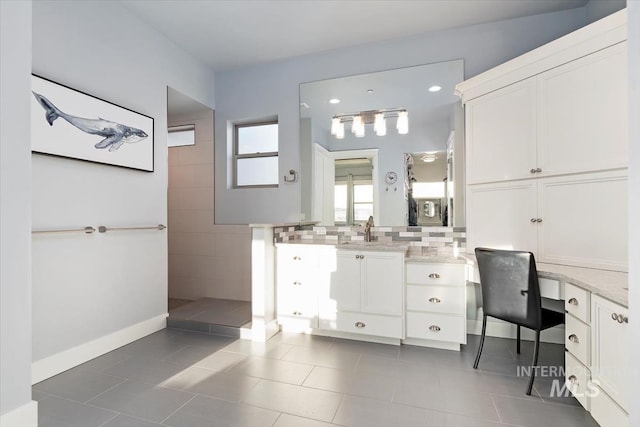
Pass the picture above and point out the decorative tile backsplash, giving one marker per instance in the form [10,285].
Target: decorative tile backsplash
[421,240]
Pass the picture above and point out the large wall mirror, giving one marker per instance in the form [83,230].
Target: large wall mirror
[364,137]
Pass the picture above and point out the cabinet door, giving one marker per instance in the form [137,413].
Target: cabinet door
[584,220]
[583,114]
[610,349]
[345,282]
[382,282]
[501,134]
[499,216]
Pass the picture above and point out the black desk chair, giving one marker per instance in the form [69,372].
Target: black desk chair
[511,292]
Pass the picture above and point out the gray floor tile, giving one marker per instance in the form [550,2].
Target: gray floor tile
[549,391]
[378,385]
[58,412]
[149,370]
[326,357]
[453,420]
[476,404]
[127,421]
[368,348]
[206,358]
[106,361]
[38,395]
[210,342]
[204,412]
[360,412]
[287,420]
[78,385]
[487,382]
[274,369]
[435,357]
[218,384]
[303,340]
[268,349]
[297,400]
[419,393]
[530,413]
[142,400]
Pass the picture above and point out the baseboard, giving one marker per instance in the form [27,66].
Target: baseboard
[60,362]
[496,328]
[24,416]
[261,331]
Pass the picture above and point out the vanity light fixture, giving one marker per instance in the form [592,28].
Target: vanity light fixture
[429,157]
[403,122]
[378,118]
[334,101]
[435,88]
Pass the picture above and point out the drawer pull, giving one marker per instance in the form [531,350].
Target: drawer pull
[574,338]
[434,328]
[297,313]
[360,325]
[297,258]
[297,283]
[435,300]
[620,318]
[573,301]
[573,380]
[434,276]
[538,170]
[532,220]
[533,170]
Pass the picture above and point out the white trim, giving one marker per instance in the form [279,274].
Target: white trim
[261,331]
[23,416]
[498,328]
[67,359]
[599,35]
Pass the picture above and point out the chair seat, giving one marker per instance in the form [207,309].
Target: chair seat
[551,318]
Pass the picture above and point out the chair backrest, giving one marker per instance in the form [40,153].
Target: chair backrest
[510,288]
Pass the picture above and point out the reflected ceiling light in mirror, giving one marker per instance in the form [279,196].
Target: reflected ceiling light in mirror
[334,101]
[380,124]
[429,157]
[435,88]
[402,124]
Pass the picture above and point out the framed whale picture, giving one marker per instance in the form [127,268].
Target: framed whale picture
[69,123]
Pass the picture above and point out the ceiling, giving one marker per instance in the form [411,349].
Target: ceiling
[228,34]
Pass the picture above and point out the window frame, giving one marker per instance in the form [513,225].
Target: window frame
[256,155]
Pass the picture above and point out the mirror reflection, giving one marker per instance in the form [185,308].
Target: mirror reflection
[427,198]
[355,132]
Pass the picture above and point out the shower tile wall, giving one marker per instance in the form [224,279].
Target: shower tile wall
[205,260]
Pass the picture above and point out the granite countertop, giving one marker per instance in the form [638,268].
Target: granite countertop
[612,285]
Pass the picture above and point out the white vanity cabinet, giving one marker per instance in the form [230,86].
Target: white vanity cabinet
[365,294]
[436,305]
[301,271]
[610,362]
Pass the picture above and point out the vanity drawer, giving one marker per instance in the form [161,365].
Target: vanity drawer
[577,338]
[438,299]
[577,377]
[298,320]
[369,324]
[440,327]
[435,274]
[576,302]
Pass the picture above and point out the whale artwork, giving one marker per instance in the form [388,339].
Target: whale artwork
[114,134]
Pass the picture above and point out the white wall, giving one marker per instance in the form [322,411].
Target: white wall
[633,17]
[15,215]
[272,89]
[205,259]
[88,286]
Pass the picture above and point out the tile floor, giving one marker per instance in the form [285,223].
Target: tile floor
[214,311]
[186,379]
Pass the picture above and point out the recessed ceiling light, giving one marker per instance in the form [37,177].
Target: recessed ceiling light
[434,88]
[334,101]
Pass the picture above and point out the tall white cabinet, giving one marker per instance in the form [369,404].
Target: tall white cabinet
[547,150]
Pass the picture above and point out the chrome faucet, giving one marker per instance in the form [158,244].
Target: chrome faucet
[367,229]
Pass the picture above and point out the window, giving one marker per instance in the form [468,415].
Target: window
[180,136]
[256,155]
[353,201]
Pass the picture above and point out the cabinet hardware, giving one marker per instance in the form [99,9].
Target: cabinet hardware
[538,170]
[532,170]
[574,301]
[532,220]
[297,313]
[297,283]
[620,318]
[434,276]
[574,338]
[434,300]
[360,325]
[573,380]
[297,258]
[434,328]
[538,219]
